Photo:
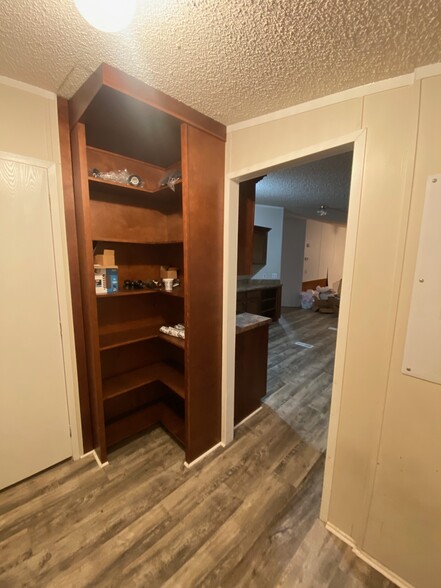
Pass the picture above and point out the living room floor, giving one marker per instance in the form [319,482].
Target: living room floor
[300,378]
[246,516]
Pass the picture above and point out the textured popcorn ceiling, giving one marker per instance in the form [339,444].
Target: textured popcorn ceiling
[230,59]
[302,189]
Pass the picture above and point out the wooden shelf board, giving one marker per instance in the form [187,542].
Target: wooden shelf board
[178,292]
[110,239]
[127,293]
[143,418]
[126,337]
[173,423]
[128,381]
[133,422]
[173,379]
[176,341]
[120,189]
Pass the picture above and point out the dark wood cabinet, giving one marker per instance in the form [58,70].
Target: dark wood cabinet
[248,248]
[138,377]
[260,245]
[264,301]
[250,364]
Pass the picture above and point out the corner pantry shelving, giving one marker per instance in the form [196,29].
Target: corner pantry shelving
[137,376]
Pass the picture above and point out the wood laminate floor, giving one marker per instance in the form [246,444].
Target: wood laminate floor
[300,379]
[247,516]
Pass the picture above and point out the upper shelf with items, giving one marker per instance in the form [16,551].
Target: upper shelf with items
[148,213]
[153,178]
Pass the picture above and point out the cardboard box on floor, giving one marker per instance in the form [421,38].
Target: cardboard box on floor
[329,306]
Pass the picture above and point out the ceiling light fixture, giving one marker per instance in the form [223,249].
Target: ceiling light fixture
[109,16]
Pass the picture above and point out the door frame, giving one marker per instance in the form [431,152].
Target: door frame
[232,180]
[56,207]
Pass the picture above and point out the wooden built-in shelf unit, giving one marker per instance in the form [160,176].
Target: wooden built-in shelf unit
[137,376]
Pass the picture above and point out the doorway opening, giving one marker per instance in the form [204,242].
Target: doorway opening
[351,146]
[305,252]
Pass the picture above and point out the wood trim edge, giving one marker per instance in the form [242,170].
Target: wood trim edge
[74,272]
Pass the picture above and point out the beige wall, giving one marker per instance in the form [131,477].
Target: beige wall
[28,121]
[385,494]
[29,129]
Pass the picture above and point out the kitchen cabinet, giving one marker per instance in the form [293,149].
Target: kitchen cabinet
[249,249]
[260,244]
[251,364]
[264,300]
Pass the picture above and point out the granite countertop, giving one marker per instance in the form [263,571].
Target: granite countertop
[247,321]
[247,285]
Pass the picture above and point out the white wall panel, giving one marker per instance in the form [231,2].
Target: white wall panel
[422,357]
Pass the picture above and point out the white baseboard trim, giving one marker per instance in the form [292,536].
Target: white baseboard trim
[248,417]
[382,569]
[367,558]
[204,455]
[345,538]
[98,461]
[95,456]
[82,456]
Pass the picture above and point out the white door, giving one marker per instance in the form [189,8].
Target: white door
[311,263]
[34,423]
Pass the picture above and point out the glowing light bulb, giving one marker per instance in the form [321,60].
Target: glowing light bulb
[109,16]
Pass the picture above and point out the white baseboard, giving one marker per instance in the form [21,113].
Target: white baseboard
[86,454]
[248,417]
[97,459]
[203,456]
[367,558]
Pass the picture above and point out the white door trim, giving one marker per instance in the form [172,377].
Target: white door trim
[63,291]
[358,138]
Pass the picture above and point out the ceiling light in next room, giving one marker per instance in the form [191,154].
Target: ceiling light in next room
[109,16]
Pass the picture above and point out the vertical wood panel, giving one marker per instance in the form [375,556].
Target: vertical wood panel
[81,187]
[74,271]
[247,199]
[250,384]
[203,172]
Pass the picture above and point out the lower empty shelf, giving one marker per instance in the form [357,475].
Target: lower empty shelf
[128,381]
[144,418]
[125,337]
[114,339]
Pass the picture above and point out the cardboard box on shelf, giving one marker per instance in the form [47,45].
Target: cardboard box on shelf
[168,272]
[105,259]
